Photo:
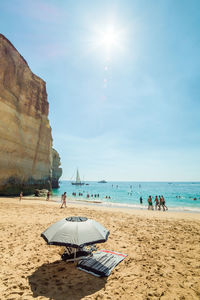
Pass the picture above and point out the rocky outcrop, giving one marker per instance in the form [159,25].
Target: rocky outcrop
[56,170]
[25,133]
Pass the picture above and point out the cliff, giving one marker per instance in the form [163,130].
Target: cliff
[25,133]
[56,170]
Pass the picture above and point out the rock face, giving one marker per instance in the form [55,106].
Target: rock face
[25,133]
[56,170]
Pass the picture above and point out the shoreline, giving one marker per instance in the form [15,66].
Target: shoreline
[179,214]
[101,203]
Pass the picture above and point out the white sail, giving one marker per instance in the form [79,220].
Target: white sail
[78,180]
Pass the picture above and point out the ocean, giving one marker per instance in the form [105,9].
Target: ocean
[179,196]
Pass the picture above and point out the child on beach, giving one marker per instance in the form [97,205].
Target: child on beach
[20,196]
[63,199]
[48,195]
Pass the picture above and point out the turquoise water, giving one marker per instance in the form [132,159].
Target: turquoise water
[178,195]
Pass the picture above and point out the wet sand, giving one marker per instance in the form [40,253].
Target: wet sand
[163,254]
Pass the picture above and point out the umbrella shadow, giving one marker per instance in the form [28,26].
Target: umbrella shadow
[61,280]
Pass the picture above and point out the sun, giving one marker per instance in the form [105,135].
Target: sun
[109,38]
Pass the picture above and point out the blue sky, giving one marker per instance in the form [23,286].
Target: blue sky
[130,112]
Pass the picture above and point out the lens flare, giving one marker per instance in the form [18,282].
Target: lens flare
[109,38]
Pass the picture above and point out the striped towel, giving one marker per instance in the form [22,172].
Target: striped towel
[101,263]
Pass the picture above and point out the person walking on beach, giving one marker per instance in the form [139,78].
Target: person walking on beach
[48,195]
[157,204]
[63,199]
[20,196]
[160,204]
[163,204]
[150,203]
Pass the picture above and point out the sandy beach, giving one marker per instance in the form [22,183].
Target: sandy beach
[163,254]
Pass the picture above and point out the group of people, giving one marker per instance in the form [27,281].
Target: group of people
[88,195]
[93,196]
[159,203]
[116,186]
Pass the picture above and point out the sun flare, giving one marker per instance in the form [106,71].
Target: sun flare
[109,38]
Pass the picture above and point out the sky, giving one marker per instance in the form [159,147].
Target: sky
[123,83]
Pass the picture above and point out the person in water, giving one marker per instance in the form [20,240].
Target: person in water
[157,204]
[141,200]
[63,199]
[150,203]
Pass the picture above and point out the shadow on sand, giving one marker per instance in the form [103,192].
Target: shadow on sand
[61,280]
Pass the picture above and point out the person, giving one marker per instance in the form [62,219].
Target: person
[48,195]
[20,196]
[141,200]
[150,204]
[157,205]
[163,204]
[160,204]
[63,199]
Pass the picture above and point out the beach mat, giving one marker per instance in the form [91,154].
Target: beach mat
[101,263]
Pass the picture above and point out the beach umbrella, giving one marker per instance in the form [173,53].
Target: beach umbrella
[75,232]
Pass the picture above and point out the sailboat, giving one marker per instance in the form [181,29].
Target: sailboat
[78,180]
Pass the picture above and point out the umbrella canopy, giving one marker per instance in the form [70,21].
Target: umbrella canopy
[75,232]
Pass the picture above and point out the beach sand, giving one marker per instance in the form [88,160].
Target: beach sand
[163,254]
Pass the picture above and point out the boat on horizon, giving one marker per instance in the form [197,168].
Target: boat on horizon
[78,180]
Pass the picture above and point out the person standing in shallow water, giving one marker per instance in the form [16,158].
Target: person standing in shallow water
[150,203]
[141,201]
[157,204]
[160,205]
[163,203]
[63,199]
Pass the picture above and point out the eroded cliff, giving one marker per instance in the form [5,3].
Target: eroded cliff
[56,169]
[25,133]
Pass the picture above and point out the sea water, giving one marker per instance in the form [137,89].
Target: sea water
[183,196]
